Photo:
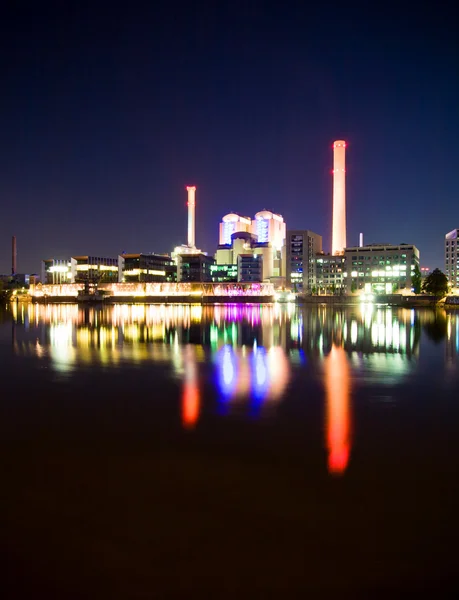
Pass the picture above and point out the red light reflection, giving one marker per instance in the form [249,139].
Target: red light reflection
[337,386]
[191,398]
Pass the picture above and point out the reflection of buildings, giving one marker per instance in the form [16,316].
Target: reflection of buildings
[191,392]
[253,375]
[452,338]
[337,388]
[365,329]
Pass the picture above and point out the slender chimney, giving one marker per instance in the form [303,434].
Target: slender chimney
[191,189]
[339,197]
[13,255]
[361,240]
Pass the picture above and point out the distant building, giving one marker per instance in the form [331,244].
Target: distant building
[302,247]
[249,268]
[194,268]
[146,268]
[94,268]
[56,271]
[263,236]
[328,275]
[223,273]
[232,223]
[452,257]
[380,268]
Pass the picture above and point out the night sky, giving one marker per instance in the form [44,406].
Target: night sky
[108,112]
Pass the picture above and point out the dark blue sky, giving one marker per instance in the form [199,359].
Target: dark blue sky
[106,113]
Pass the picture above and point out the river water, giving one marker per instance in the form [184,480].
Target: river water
[229,451]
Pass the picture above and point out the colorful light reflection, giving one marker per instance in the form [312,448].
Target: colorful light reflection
[191,397]
[338,428]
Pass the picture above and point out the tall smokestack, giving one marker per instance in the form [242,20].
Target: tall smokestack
[13,255]
[361,240]
[191,189]
[339,197]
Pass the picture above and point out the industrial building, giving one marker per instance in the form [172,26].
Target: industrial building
[380,268]
[339,198]
[452,257]
[233,223]
[262,237]
[302,247]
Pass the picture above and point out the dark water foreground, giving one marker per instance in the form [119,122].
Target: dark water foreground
[229,452]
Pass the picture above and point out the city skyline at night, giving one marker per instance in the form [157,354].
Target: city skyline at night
[108,115]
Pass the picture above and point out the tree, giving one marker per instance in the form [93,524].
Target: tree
[5,293]
[416,280]
[436,283]
[437,329]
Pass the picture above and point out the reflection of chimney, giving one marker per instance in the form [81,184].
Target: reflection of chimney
[191,189]
[339,197]
[13,255]
[338,425]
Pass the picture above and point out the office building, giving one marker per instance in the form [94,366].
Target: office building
[301,249]
[250,268]
[328,275]
[95,269]
[194,268]
[380,268]
[146,268]
[56,271]
[452,257]
[223,273]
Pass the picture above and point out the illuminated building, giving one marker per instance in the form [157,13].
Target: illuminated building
[380,268]
[194,268]
[328,276]
[302,246]
[452,257]
[93,268]
[182,254]
[232,223]
[269,228]
[191,189]
[263,236]
[147,267]
[56,271]
[339,197]
[249,267]
[223,273]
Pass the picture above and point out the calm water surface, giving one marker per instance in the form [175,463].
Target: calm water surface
[164,451]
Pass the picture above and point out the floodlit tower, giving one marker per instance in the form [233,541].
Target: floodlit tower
[191,189]
[339,197]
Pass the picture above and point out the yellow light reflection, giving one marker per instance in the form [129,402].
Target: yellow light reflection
[338,429]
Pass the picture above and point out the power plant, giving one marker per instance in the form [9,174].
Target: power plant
[339,198]
[191,189]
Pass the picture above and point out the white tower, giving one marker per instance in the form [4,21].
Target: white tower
[339,197]
[191,189]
